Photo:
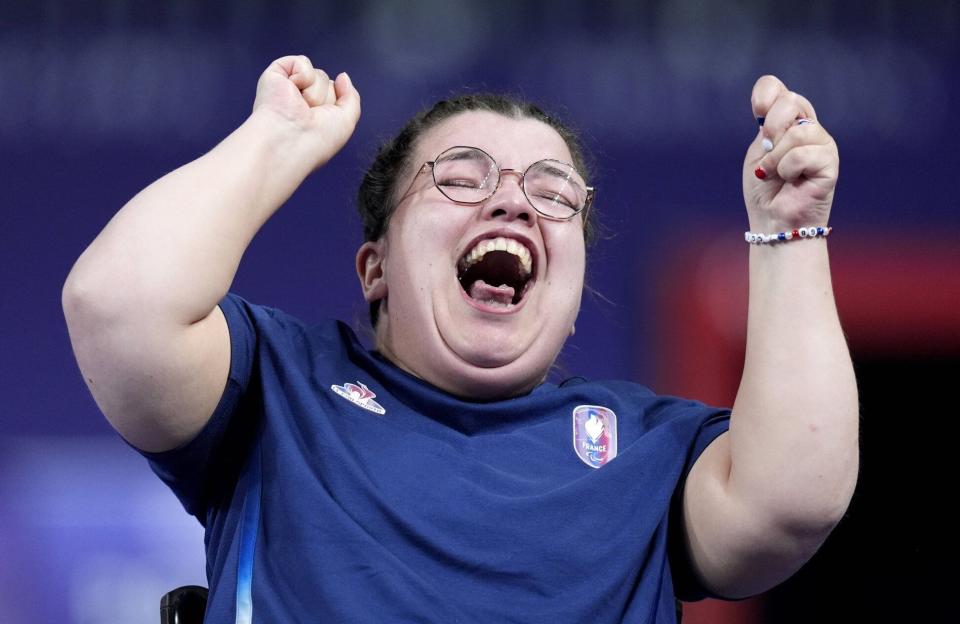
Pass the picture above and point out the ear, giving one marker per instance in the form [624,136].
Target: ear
[370,264]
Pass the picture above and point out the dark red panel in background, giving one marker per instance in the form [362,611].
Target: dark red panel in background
[899,302]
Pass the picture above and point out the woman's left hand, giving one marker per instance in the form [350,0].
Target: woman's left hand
[791,185]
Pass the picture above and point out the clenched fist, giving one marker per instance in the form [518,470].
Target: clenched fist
[790,170]
[321,112]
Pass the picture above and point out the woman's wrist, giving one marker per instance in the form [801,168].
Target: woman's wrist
[285,145]
[782,236]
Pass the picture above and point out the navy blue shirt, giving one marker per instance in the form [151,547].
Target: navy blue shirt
[335,487]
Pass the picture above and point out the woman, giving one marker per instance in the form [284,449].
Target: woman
[438,478]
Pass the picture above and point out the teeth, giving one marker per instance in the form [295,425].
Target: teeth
[499,244]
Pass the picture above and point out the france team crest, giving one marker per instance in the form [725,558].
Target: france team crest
[594,434]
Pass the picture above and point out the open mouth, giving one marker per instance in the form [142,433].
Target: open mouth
[496,272]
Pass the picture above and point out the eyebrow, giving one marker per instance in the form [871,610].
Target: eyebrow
[470,153]
[569,175]
[558,172]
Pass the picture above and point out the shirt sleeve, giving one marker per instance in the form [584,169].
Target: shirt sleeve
[201,468]
[708,424]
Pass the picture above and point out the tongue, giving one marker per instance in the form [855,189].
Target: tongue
[482,291]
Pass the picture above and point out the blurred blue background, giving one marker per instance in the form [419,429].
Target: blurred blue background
[97,99]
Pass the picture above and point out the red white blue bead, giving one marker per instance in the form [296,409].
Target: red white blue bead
[813,231]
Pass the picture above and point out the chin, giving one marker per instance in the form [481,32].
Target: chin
[488,384]
[474,353]
[488,373]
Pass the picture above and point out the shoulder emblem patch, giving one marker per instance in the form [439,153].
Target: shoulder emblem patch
[359,394]
[594,434]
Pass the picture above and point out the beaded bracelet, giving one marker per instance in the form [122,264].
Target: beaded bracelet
[804,232]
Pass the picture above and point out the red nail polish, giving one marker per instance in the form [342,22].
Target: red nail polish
[760,173]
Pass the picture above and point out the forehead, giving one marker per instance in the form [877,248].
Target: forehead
[514,143]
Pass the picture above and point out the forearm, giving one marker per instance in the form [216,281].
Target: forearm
[794,430]
[178,243]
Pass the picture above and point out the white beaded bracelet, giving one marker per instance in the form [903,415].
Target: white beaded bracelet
[804,232]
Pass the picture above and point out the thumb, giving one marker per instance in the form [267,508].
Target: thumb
[348,98]
[765,92]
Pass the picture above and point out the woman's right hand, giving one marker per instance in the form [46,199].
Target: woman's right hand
[321,112]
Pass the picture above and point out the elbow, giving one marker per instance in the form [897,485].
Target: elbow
[803,512]
[74,292]
[838,494]
[775,549]
[80,298]
[102,286]
[816,498]
[75,297]
[814,516]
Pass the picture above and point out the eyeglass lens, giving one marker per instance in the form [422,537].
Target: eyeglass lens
[470,175]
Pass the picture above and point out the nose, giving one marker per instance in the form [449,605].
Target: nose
[509,202]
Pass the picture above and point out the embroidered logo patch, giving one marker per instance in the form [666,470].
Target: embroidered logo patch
[594,434]
[359,394]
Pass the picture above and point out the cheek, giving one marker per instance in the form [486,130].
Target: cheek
[419,249]
[566,255]
[565,276]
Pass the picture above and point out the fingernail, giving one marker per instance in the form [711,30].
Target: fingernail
[760,121]
[766,144]
[760,173]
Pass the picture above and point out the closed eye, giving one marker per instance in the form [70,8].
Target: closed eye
[557,199]
[460,182]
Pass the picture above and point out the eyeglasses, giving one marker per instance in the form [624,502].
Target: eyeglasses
[469,175]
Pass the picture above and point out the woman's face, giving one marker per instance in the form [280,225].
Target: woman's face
[445,315]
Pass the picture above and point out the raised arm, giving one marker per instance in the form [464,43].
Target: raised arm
[762,498]
[141,301]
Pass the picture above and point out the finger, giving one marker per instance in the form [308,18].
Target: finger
[797,135]
[302,73]
[809,161]
[331,94]
[783,115]
[765,92]
[284,65]
[347,96]
[317,93]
